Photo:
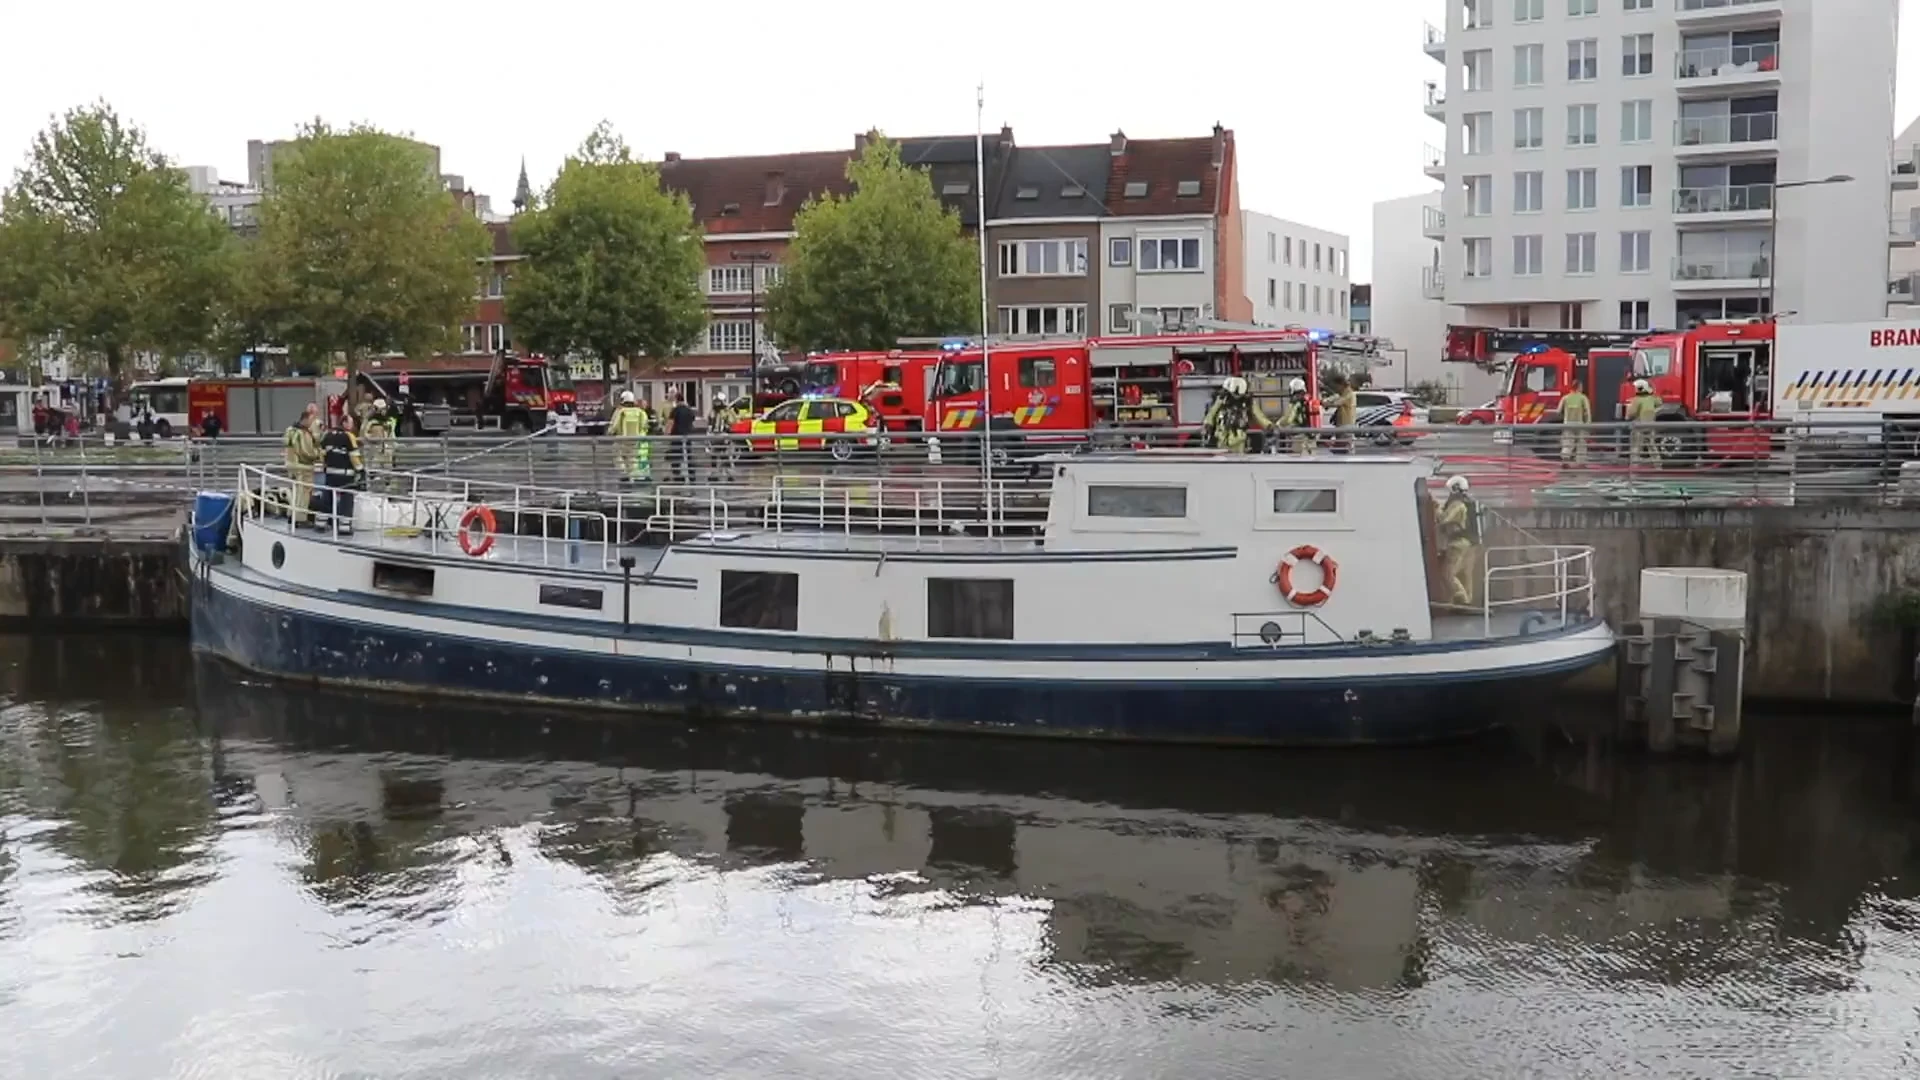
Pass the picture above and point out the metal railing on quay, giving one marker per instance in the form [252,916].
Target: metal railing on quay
[1729,462]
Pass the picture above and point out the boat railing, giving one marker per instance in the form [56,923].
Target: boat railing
[1551,581]
[900,504]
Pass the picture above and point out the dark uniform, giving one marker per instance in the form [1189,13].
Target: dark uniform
[340,467]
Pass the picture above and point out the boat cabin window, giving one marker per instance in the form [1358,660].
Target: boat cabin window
[1306,501]
[572,596]
[403,579]
[753,600]
[1137,500]
[970,608]
[1036,371]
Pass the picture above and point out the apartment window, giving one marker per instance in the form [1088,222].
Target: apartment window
[730,336]
[1120,251]
[1583,189]
[1583,59]
[1316,299]
[1520,317]
[1120,318]
[1529,129]
[1580,249]
[1137,500]
[1636,185]
[1478,129]
[1043,258]
[1529,10]
[497,338]
[727,280]
[1273,293]
[1577,8]
[1286,249]
[1583,125]
[1479,196]
[496,286]
[1528,252]
[1478,256]
[1273,248]
[1479,69]
[1529,65]
[980,608]
[1169,253]
[757,600]
[1636,252]
[1343,304]
[1043,320]
[1529,196]
[1636,54]
[770,275]
[1477,14]
[1636,5]
[1171,319]
[1636,314]
[1636,121]
[1286,295]
[1316,256]
[473,337]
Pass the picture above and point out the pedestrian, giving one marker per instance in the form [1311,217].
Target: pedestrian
[1459,536]
[629,424]
[1576,410]
[302,454]
[680,421]
[341,470]
[1642,412]
[210,425]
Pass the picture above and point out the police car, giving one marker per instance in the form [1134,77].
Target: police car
[811,423]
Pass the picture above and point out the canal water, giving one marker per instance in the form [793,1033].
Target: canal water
[202,876]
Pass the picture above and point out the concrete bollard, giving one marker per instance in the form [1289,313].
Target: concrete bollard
[1907,492]
[1682,664]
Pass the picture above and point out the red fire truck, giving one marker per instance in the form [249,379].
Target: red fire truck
[247,406]
[893,384]
[514,393]
[1719,371]
[1544,365]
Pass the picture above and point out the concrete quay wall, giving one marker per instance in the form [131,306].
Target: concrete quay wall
[1827,586]
[92,580]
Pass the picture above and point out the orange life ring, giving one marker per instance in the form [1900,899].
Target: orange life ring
[477,545]
[1329,576]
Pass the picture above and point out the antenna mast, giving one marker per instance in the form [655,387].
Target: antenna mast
[986,328]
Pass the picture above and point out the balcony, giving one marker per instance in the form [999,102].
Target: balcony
[1904,229]
[1436,102]
[1722,205]
[1433,162]
[1719,271]
[1433,283]
[1741,133]
[1726,14]
[1906,171]
[1433,223]
[1709,72]
[1435,42]
[1904,289]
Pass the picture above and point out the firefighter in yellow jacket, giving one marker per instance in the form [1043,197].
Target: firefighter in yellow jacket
[1575,409]
[1459,537]
[302,455]
[1642,412]
[629,422]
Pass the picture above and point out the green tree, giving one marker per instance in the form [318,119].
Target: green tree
[103,248]
[612,262]
[361,250]
[885,262]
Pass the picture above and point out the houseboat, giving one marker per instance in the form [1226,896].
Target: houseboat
[1172,595]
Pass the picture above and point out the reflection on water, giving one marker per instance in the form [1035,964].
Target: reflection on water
[200,876]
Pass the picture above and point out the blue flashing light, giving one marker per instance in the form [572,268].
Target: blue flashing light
[1317,335]
[1534,349]
[953,346]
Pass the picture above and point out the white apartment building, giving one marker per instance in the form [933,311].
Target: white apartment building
[1406,304]
[1903,270]
[1296,274]
[1618,164]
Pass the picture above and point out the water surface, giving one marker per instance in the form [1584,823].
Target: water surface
[206,877]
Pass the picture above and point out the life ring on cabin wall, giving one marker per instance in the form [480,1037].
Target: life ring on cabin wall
[1329,576]
[478,543]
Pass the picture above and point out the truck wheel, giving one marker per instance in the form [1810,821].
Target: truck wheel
[1679,447]
[517,425]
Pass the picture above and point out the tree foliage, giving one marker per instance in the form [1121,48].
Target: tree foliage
[612,261]
[103,248]
[885,262]
[361,249]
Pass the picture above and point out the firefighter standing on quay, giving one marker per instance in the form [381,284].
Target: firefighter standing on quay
[1642,412]
[629,422]
[720,435]
[302,454]
[1459,536]
[1233,408]
[1575,409]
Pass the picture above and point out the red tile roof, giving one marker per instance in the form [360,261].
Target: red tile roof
[1162,164]
[714,184]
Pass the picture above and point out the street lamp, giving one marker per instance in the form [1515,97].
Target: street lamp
[1773,230]
[752,259]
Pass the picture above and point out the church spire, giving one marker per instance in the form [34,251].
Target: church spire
[522,192]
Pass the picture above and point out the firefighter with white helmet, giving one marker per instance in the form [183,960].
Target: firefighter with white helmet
[1459,523]
[1642,412]
[629,423]
[1230,414]
[1298,415]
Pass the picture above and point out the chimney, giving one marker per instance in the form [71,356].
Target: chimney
[1006,136]
[673,155]
[860,142]
[776,188]
[1220,135]
[1119,144]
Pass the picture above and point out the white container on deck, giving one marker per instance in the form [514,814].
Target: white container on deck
[1704,596]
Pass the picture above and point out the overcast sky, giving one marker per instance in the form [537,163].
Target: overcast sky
[1324,98]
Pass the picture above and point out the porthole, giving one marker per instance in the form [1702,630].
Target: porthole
[279,555]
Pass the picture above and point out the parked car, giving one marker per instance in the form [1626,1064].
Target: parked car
[1389,409]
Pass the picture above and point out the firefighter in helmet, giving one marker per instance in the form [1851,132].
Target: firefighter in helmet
[629,423]
[1459,536]
[1228,417]
[1298,415]
[376,438]
[1642,412]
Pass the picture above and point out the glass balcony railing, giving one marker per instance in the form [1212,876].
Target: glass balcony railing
[1433,284]
[1686,6]
[1433,159]
[1722,130]
[1433,221]
[1433,39]
[1720,267]
[1723,200]
[1728,60]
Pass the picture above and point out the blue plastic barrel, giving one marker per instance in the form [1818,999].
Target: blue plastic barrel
[212,518]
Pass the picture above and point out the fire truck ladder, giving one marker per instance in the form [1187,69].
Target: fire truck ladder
[1578,342]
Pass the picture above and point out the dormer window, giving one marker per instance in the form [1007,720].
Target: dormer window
[1072,191]
[1136,189]
[731,209]
[1027,192]
[1188,189]
[955,187]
